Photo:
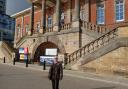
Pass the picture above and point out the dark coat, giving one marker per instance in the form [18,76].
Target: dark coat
[56,71]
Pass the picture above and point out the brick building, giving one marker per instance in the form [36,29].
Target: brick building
[75,27]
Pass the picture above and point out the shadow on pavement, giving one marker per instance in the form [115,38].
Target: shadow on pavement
[105,88]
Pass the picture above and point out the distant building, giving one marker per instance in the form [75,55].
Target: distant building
[7,27]
[2,6]
[7,24]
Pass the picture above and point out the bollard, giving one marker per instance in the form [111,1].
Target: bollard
[14,61]
[4,59]
[27,63]
[65,59]
[44,65]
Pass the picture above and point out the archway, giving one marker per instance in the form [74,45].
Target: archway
[40,51]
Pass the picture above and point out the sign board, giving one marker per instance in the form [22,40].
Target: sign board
[23,56]
[51,51]
[26,50]
[48,59]
[21,50]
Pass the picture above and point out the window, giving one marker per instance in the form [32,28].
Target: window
[62,18]
[119,10]
[18,31]
[82,15]
[38,27]
[27,28]
[100,13]
[49,21]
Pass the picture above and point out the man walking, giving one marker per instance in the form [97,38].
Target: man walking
[55,73]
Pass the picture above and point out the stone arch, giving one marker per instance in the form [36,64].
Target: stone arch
[49,39]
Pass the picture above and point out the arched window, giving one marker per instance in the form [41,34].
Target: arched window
[119,10]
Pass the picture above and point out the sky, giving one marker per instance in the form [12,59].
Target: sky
[14,6]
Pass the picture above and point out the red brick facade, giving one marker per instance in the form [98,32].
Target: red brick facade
[109,12]
[69,12]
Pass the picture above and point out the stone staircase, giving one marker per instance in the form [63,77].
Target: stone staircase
[7,51]
[106,42]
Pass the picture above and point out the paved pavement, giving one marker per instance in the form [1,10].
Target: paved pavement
[72,80]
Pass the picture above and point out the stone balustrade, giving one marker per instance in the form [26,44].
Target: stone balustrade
[66,26]
[49,29]
[94,27]
[94,45]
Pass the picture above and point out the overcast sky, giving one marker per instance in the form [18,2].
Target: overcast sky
[14,6]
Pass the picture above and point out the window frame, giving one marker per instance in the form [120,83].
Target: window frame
[51,21]
[123,11]
[38,26]
[97,19]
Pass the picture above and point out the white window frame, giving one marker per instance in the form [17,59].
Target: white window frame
[97,13]
[123,11]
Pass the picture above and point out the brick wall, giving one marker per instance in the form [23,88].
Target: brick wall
[93,11]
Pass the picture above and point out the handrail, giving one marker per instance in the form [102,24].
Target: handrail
[20,40]
[8,50]
[93,46]
[94,27]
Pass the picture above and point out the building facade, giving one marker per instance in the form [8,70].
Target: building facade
[75,27]
[7,24]
[3,6]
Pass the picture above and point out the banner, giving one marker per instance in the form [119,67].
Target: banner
[21,50]
[51,51]
[48,59]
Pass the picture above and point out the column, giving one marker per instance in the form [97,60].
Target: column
[76,20]
[32,20]
[89,14]
[43,30]
[77,9]
[70,10]
[57,24]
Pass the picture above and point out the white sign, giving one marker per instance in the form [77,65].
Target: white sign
[51,51]
[48,59]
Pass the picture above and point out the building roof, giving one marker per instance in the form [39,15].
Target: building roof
[21,12]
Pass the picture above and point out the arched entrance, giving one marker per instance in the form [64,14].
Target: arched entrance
[40,51]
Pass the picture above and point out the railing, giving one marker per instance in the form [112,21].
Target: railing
[94,27]
[49,29]
[66,26]
[21,39]
[93,46]
[8,50]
